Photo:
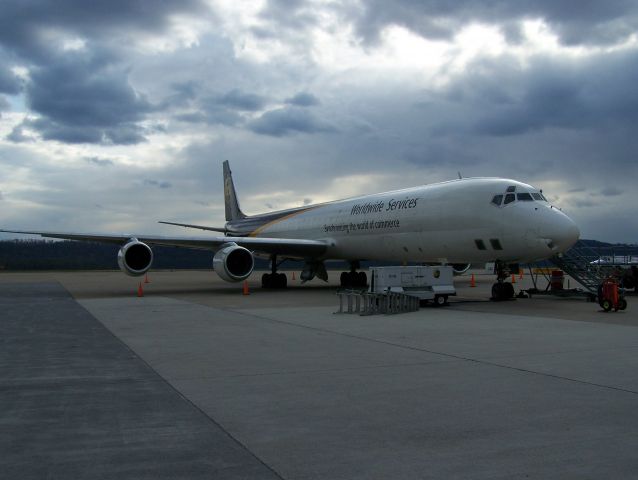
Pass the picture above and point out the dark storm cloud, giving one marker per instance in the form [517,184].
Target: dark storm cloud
[236,99]
[212,113]
[85,90]
[182,94]
[303,99]
[17,135]
[9,83]
[225,109]
[84,97]
[23,23]
[586,22]
[501,98]
[287,121]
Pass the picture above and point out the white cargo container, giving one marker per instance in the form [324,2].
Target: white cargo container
[426,282]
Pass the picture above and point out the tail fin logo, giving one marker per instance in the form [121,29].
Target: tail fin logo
[228,185]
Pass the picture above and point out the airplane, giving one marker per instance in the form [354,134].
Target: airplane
[458,222]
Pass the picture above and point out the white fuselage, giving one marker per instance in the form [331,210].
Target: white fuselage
[450,222]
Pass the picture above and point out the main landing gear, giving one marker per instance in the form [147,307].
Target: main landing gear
[274,279]
[502,290]
[353,279]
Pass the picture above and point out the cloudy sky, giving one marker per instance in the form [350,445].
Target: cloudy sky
[115,114]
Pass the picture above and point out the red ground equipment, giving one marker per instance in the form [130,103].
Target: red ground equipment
[610,296]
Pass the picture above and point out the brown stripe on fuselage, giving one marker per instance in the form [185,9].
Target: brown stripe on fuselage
[258,230]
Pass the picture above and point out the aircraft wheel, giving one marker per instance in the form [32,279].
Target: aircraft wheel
[266,280]
[600,295]
[508,290]
[497,291]
[362,279]
[606,304]
[282,280]
[343,279]
[622,304]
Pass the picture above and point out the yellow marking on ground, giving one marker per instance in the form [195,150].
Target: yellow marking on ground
[544,270]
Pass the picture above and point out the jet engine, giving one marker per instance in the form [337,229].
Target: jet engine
[135,258]
[233,263]
[460,268]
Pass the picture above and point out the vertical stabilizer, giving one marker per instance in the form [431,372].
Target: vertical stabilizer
[233,212]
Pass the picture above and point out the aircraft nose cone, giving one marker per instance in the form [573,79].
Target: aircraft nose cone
[562,231]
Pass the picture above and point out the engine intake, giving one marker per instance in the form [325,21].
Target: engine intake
[135,258]
[233,263]
[460,268]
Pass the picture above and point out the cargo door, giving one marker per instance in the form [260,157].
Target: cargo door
[420,278]
[407,279]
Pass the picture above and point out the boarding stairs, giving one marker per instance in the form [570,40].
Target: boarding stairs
[577,263]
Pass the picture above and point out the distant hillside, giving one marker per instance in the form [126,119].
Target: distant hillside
[70,255]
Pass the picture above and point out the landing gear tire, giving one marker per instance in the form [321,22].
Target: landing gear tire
[274,280]
[353,280]
[502,291]
[440,300]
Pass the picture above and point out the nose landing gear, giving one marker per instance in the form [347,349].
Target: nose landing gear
[502,290]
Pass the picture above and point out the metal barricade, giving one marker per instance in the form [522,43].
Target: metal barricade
[365,303]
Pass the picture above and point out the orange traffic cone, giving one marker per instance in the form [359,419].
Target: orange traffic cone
[245,288]
[146,280]
[513,278]
[140,290]
[472,282]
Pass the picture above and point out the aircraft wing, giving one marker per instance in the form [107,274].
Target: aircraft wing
[280,246]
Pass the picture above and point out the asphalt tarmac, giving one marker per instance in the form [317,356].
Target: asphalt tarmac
[196,380]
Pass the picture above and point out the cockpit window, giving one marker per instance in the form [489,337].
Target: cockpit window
[539,197]
[525,197]
[511,188]
[509,198]
[497,199]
